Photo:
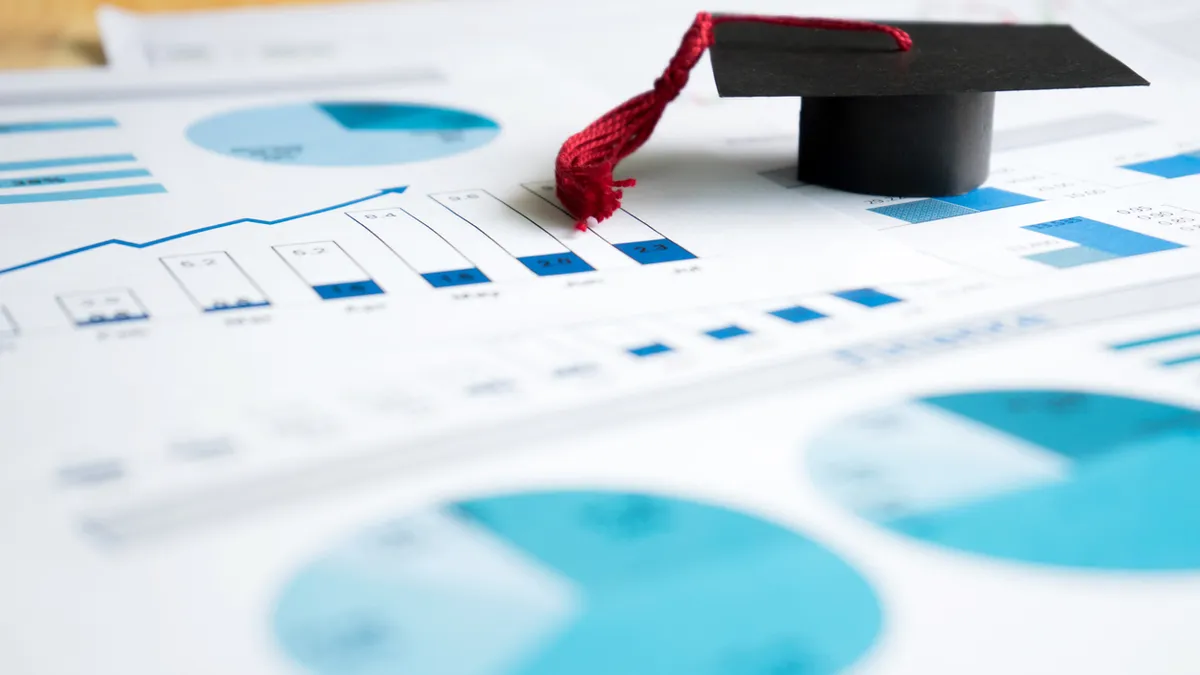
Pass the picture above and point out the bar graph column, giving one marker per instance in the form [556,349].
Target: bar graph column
[331,272]
[89,308]
[215,282]
[519,236]
[626,232]
[1095,242]
[422,249]
[8,325]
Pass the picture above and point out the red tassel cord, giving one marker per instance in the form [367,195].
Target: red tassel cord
[584,169]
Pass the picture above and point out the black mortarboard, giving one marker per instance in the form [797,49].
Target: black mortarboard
[903,123]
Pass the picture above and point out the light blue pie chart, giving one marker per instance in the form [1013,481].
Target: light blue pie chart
[1060,478]
[577,583]
[343,133]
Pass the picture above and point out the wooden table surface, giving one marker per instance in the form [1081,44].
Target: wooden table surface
[62,33]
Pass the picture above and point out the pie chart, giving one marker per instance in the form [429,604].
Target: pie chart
[585,583]
[343,133]
[1060,478]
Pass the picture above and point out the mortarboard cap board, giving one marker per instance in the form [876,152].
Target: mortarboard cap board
[903,123]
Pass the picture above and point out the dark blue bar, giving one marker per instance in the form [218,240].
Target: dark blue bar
[463,277]
[727,333]
[62,179]
[57,125]
[655,251]
[351,289]
[650,350]
[116,318]
[35,164]
[989,199]
[797,314]
[868,297]
[238,305]
[555,264]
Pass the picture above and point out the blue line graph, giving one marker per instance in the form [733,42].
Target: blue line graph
[199,230]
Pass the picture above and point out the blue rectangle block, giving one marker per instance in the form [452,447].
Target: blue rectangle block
[1168,167]
[236,305]
[1180,361]
[1103,237]
[352,289]
[56,125]
[464,277]
[116,318]
[1071,257]
[655,251]
[989,199]
[797,314]
[1157,339]
[34,164]
[868,297]
[61,179]
[74,195]
[650,349]
[555,263]
[922,211]
[727,332]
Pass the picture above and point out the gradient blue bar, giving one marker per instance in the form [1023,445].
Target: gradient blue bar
[353,289]
[1157,339]
[868,297]
[1103,237]
[649,350]
[57,125]
[727,332]
[238,305]
[797,314]
[989,199]
[1168,167]
[1180,361]
[463,277]
[73,195]
[34,164]
[38,181]
[655,251]
[555,264]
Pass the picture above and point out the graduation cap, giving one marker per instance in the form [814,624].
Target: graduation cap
[900,110]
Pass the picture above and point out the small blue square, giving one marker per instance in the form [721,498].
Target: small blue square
[1168,167]
[922,211]
[797,314]
[868,297]
[727,332]
[650,349]
[352,289]
[989,199]
[464,277]
[555,264]
[654,251]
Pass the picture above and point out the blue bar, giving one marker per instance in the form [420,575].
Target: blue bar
[922,211]
[37,181]
[726,333]
[989,199]
[1157,339]
[868,297]
[1180,361]
[555,264]
[1168,167]
[73,195]
[797,314]
[464,277]
[116,318]
[238,305]
[34,164]
[57,125]
[650,350]
[1071,257]
[1103,237]
[351,289]
[655,251]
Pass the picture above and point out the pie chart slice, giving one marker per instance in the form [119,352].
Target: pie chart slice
[343,133]
[586,583]
[1063,478]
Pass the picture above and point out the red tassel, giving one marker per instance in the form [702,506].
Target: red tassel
[584,169]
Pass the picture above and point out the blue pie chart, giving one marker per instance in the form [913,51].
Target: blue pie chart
[578,583]
[343,133]
[1067,479]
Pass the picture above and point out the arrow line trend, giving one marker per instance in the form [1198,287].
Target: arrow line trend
[199,230]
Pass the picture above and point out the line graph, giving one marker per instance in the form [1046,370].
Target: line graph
[199,230]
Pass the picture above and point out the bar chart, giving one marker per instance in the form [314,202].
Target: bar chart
[976,201]
[89,308]
[1174,166]
[328,269]
[1094,242]
[1171,349]
[420,248]
[106,176]
[215,282]
[35,126]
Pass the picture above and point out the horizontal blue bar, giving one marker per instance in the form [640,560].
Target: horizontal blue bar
[1075,256]
[726,333]
[649,350]
[1180,361]
[989,199]
[73,195]
[1157,339]
[57,125]
[352,289]
[236,305]
[797,314]
[922,211]
[463,277]
[38,181]
[115,318]
[1102,236]
[34,164]
[1168,167]
[555,264]
[655,251]
[868,297]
